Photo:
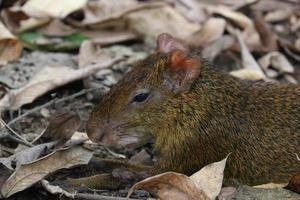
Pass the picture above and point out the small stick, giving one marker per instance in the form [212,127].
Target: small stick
[19,138]
[84,196]
[53,101]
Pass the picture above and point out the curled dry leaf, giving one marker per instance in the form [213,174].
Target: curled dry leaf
[52,8]
[29,174]
[211,31]
[204,184]
[278,61]
[10,46]
[62,126]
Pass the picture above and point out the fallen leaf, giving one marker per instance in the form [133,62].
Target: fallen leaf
[267,36]
[215,48]
[248,62]
[29,174]
[61,127]
[52,8]
[54,189]
[42,83]
[278,61]
[10,46]
[294,184]
[227,193]
[57,28]
[163,19]
[204,184]
[211,31]
[210,178]
[25,156]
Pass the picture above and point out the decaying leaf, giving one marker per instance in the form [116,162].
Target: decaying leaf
[28,174]
[25,156]
[10,47]
[51,8]
[204,184]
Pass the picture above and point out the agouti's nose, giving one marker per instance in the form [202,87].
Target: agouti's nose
[98,130]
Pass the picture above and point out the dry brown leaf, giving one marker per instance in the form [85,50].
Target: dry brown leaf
[204,184]
[25,156]
[29,174]
[10,46]
[211,31]
[278,61]
[62,126]
[52,8]
[267,37]
[47,79]
[249,63]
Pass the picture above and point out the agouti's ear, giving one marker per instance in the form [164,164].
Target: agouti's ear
[166,44]
[182,71]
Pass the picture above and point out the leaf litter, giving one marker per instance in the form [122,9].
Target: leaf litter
[93,43]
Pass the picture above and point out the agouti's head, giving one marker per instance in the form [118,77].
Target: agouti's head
[146,98]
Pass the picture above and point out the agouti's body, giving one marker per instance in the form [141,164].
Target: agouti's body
[198,116]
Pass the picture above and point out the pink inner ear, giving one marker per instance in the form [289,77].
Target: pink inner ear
[166,44]
[180,62]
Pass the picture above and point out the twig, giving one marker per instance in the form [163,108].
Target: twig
[83,196]
[19,138]
[53,101]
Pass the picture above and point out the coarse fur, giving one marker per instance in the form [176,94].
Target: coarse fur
[257,122]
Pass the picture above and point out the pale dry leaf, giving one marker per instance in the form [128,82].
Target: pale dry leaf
[10,46]
[211,31]
[96,12]
[214,49]
[248,60]
[52,8]
[48,79]
[170,186]
[271,185]
[53,189]
[278,61]
[204,184]
[278,15]
[57,28]
[210,178]
[163,19]
[29,174]
[247,74]
[238,18]
[25,156]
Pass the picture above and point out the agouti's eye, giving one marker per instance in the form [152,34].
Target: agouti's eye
[140,97]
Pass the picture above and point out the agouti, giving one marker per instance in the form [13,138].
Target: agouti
[198,116]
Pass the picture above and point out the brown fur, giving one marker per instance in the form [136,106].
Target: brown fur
[258,122]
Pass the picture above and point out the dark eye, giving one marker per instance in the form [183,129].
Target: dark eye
[140,97]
